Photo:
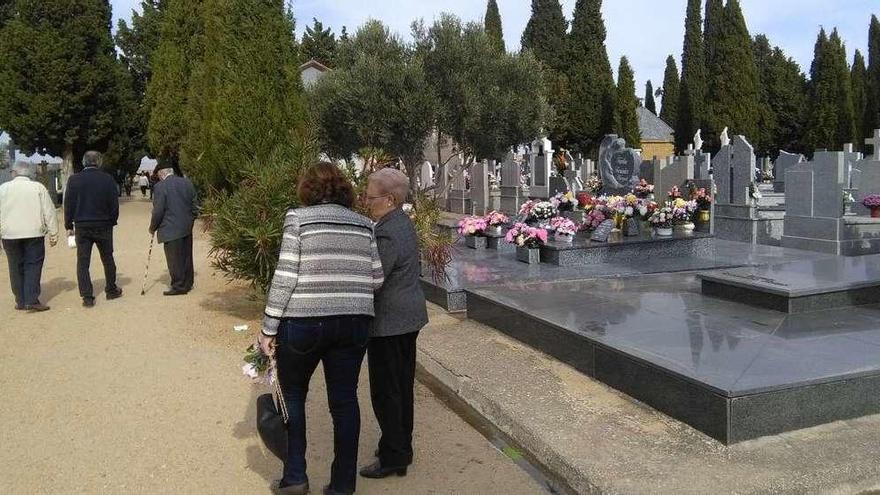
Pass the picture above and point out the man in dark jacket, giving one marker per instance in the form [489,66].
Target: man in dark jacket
[91,210]
[175,208]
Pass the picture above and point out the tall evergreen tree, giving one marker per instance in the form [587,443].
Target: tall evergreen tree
[248,73]
[859,78]
[691,108]
[733,89]
[139,41]
[650,104]
[669,110]
[831,123]
[626,123]
[59,77]
[492,24]
[180,48]
[319,43]
[782,100]
[545,33]
[591,83]
[872,113]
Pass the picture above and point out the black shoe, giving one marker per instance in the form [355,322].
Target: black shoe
[330,491]
[301,489]
[36,308]
[376,471]
[88,302]
[19,307]
[114,294]
[174,292]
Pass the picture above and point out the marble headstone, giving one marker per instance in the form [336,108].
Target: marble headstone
[426,176]
[785,161]
[618,165]
[734,171]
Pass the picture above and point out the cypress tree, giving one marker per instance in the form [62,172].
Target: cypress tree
[492,23]
[248,73]
[691,107]
[59,77]
[831,122]
[669,110]
[872,112]
[650,104]
[591,83]
[626,118]
[733,95]
[545,33]
[859,77]
[139,42]
[846,131]
[782,100]
[318,44]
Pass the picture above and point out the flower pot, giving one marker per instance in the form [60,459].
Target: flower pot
[686,227]
[528,255]
[563,237]
[494,231]
[664,231]
[704,216]
[875,212]
[475,242]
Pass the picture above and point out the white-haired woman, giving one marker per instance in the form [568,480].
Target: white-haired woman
[400,315]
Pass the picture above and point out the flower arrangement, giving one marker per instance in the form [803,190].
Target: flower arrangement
[525,211]
[472,226]
[674,193]
[496,218]
[643,189]
[594,184]
[594,218]
[683,211]
[584,199]
[543,211]
[623,205]
[662,217]
[257,365]
[646,209]
[528,237]
[563,201]
[703,198]
[563,226]
[871,201]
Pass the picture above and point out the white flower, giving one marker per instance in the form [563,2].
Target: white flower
[629,211]
[643,210]
[250,371]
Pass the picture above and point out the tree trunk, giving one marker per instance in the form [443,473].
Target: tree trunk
[66,166]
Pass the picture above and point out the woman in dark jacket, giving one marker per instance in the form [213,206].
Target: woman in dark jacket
[319,310]
[400,314]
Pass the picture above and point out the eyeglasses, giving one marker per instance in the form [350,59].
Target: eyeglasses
[370,198]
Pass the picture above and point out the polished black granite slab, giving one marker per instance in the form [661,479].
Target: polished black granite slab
[730,370]
[582,240]
[800,286]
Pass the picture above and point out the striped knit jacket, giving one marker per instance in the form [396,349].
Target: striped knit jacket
[329,265]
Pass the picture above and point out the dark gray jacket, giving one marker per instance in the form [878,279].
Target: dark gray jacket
[400,303]
[175,208]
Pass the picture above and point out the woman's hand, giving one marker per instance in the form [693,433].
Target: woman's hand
[267,344]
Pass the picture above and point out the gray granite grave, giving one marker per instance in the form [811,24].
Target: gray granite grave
[783,163]
[459,199]
[512,196]
[619,248]
[542,163]
[619,166]
[674,171]
[479,192]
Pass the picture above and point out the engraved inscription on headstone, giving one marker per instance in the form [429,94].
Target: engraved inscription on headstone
[633,227]
[602,231]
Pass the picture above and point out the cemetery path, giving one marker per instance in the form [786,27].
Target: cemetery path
[145,394]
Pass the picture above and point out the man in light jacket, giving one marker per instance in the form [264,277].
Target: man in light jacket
[27,215]
[175,208]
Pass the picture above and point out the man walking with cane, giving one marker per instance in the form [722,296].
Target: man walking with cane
[91,210]
[27,214]
[175,208]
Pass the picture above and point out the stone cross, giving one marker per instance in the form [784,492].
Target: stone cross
[875,142]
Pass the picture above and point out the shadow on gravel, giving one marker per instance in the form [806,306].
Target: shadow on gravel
[238,302]
[259,459]
[56,286]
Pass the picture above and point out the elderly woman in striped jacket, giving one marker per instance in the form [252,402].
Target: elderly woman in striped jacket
[319,310]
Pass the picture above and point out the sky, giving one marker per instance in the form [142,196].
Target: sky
[646,31]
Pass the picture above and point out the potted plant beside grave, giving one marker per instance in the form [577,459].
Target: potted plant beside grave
[542,212]
[622,208]
[683,213]
[704,204]
[872,202]
[643,190]
[528,241]
[662,220]
[564,229]
[473,230]
[495,221]
[594,184]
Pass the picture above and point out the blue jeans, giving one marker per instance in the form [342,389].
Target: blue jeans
[25,257]
[339,342]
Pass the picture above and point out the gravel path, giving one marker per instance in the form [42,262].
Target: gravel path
[145,394]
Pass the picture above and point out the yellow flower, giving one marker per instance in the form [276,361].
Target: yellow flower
[631,199]
[680,203]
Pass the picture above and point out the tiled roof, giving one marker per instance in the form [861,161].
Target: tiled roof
[653,128]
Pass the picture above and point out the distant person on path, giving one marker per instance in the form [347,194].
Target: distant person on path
[175,209]
[27,215]
[319,310]
[91,210]
[144,184]
[400,315]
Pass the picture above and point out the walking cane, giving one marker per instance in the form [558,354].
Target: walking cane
[147,269]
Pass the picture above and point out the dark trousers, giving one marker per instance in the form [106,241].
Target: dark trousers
[179,256]
[25,257]
[392,378]
[339,342]
[86,237]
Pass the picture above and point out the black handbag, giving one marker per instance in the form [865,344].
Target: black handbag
[272,420]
